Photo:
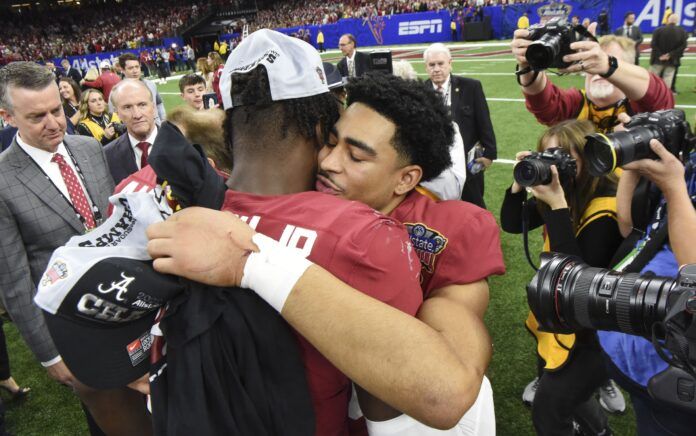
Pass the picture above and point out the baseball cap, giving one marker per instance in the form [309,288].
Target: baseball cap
[105,64]
[294,67]
[100,294]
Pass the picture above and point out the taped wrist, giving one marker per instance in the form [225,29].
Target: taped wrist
[273,272]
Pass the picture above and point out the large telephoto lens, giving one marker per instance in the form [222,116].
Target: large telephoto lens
[604,153]
[566,295]
[532,172]
[542,52]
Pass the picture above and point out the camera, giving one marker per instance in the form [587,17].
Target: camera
[535,169]
[604,153]
[119,128]
[567,295]
[551,42]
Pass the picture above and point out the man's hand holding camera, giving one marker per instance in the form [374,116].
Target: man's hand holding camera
[588,58]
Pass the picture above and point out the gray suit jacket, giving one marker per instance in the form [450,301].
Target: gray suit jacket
[35,220]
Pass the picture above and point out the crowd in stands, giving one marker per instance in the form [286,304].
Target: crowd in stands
[111,26]
[93,29]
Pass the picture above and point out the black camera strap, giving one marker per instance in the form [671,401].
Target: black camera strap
[525,232]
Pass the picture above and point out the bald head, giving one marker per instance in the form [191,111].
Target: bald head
[673,19]
[134,106]
[134,85]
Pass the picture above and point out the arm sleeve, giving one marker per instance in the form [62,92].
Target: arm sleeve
[511,212]
[17,289]
[596,243]
[81,129]
[485,126]
[161,111]
[95,84]
[658,96]
[554,104]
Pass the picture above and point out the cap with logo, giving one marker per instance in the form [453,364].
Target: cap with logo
[100,294]
[294,67]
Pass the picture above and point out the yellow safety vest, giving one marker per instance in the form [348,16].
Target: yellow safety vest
[95,129]
[555,348]
[320,38]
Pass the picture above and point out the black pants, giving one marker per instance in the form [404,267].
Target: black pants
[4,358]
[473,189]
[568,393]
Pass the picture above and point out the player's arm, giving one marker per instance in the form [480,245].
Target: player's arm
[456,312]
[392,355]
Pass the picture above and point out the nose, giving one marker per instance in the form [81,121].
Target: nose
[52,122]
[329,160]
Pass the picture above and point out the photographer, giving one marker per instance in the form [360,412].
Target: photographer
[579,215]
[95,120]
[613,84]
[667,242]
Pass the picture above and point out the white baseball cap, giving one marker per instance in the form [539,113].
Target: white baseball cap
[294,67]
[105,64]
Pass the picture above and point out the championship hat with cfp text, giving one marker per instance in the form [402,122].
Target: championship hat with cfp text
[100,294]
[293,66]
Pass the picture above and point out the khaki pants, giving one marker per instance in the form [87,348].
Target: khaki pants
[664,71]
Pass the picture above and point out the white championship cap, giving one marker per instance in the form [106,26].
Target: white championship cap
[294,67]
[105,64]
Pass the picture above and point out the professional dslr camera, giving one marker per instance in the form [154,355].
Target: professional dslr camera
[566,296]
[535,169]
[604,153]
[119,128]
[551,42]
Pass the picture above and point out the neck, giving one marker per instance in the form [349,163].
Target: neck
[267,179]
[392,204]
[141,137]
[259,173]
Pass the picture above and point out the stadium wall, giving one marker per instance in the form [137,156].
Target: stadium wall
[427,27]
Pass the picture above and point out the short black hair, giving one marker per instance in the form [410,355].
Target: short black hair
[190,79]
[127,57]
[628,13]
[424,131]
[257,115]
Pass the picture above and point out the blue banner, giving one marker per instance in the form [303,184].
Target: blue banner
[85,62]
[420,27]
[649,14]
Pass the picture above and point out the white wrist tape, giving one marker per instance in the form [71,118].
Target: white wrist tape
[273,271]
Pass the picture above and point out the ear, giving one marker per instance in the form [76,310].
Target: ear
[410,176]
[7,116]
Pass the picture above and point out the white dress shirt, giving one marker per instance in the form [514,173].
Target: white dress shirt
[51,169]
[138,152]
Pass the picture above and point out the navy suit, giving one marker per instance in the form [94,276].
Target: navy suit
[121,158]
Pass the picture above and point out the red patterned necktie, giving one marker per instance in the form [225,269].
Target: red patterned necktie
[143,146]
[77,195]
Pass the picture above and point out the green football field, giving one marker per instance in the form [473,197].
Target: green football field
[51,409]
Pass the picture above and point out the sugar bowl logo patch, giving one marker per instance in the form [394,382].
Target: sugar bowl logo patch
[57,271]
[427,242]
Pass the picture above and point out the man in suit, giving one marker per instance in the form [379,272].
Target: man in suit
[631,31]
[70,72]
[469,110]
[355,63]
[52,187]
[134,106]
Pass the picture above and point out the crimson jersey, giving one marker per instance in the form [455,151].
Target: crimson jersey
[366,250]
[457,242]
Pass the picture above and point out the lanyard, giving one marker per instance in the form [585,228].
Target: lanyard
[95,208]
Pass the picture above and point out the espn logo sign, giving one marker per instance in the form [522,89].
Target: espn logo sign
[420,27]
